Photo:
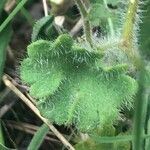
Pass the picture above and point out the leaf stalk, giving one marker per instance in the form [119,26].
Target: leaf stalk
[87,26]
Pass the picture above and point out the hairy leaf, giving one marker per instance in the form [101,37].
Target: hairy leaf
[97,13]
[40,70]
[90,94]
[44,29]
[71,89]
[80,54]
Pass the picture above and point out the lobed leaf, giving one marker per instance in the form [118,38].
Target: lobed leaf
[71,93]
[80,54]
[62,44]
[87,94]
[48,84]
[39,49]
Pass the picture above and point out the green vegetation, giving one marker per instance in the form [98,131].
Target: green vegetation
[90,81]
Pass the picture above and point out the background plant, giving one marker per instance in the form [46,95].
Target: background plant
[97,75]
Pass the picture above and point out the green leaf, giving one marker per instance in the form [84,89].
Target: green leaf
[4,40]
[147,142]
[43,68]
[39,49]
[115,70]
[44,77]
[1,135]
[113,2]
[96,1]
[2,3]
[12,14]
[80,54]
[90,145]
[2,147]
[43,73]
[44,29]
[2,143]
[38,138]
[62,44]
[144,37]
[122,146]
[43,49]
[92,95]
[97,13]
[119,142]
[48,84]
[69,90]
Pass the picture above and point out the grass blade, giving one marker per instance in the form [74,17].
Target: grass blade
[38,137]
[12,14]
[4,39]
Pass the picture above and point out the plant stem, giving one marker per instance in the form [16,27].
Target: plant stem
[140,111]
[1,134]
[45,7]
[87,26]
[113,139]
[109,20]
[128,27]
[142,95]
[12,14]
[128,44]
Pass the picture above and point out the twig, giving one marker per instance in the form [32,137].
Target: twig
[3,94]
[31,129]
[6,108]
[9,84]
[9,5]
[77,27]
[45,7]
[25,126]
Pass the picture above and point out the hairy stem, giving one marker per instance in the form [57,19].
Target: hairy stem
[128,44]
[128,27]
[87,26]
[142,95]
